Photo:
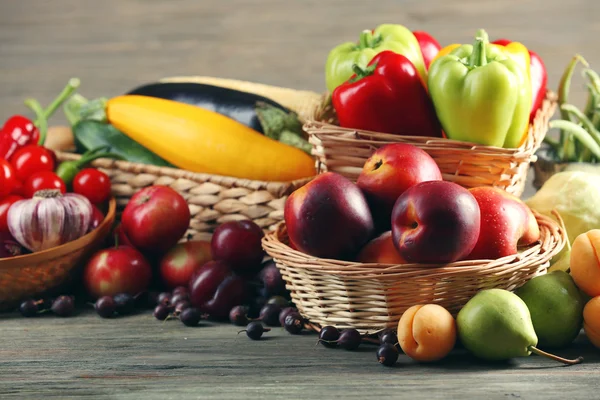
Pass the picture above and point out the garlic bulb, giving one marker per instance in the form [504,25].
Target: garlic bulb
[49,219]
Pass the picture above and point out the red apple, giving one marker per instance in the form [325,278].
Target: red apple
[435,222]
[238,244]
[180,263]
[155,218]
[389,172]
[328,217]
[215,289]
[506,223]
[116,270]
[381,250]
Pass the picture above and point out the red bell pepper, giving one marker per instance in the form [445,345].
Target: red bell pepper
[387,96]
[539,79]
[429,46]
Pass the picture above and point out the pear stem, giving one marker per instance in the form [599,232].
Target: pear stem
[554,357]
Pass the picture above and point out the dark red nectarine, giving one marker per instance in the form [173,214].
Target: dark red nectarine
[328,217]
[380,250]
[389,172]
[435,222]
[506,223]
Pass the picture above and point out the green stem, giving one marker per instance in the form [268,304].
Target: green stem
[592,100]
[564,85]
[585,121]
[478,57]
[481,33]
[364,41]
[539,352]
[579,133]
[362,72]
[41,120]
[72,85]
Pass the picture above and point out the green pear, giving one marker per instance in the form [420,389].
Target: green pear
[496,325]
[556,307]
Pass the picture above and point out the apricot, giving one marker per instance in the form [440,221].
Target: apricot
[427,332]
[591,321]
[585,262]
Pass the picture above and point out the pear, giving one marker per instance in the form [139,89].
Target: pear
[556,307]
[496,325]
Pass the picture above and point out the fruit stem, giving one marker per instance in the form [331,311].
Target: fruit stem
[539,352]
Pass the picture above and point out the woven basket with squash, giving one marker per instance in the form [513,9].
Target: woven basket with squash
[237,156]
[417,200]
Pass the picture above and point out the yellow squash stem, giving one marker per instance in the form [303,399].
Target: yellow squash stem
[201,140]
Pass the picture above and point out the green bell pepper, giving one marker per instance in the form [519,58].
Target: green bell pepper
[396,38]
[481,95]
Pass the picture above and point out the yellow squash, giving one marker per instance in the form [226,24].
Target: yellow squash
[201,140]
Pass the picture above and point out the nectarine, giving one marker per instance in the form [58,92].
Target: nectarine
[328,217]
[435,222]
[585,262]
[591,318]
[389,172]
[381,250]
[427,332]
[506,223]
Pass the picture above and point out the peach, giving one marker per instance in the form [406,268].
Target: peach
[585,262]
[591,318]
[380,250]
[506,223]
[328,217]
[389,172]
[427,332]
[435,222]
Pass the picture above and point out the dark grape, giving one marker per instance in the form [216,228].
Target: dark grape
[28,308]
[63,306]
[161,312]
[125,303]
[176,298]
[181,290]
[255,330]
[279,300]
[284,313]
[257,304]
[294,323]
[387,354]
[105,307]
[349,339]
[269,314]
[389,337]
[190,316]
[328,336]
[164,298]
[182,305]
[239,315]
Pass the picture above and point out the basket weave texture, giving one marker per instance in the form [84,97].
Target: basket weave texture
[372,297]
[40,273]
[345,150]
[213,199]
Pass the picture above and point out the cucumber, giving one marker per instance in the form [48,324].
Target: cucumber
[90,135]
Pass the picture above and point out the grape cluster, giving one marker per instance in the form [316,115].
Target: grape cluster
[119,304]
[62,306]
[176,304]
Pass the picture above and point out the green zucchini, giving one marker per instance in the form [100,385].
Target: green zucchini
[91,135]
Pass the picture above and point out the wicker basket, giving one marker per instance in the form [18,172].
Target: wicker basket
[36,274]
[213,199]
[372,297]
[345,151]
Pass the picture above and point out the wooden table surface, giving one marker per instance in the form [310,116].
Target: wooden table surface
[114,45]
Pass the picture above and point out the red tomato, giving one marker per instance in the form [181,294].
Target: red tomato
[30,159]
[97,218]
[5,204]
[8,180]
[18,189]
[43,180]
[93,184]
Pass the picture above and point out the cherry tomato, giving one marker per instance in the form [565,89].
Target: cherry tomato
[43,180]
[97,218]
[30,159]
[18,189]
[8,180]
[93,184]
[5,204]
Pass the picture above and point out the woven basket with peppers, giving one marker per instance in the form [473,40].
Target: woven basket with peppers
[480,110]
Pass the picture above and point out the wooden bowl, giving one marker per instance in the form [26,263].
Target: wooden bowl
[33,275]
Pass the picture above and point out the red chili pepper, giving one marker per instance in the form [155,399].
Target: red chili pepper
[388,96]
[539,79]
[18,131]
[429,46]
